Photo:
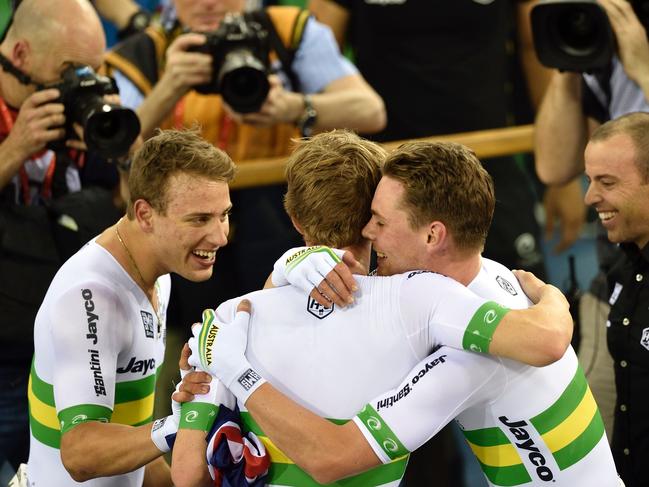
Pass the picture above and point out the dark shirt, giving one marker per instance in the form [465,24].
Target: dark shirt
[628,342]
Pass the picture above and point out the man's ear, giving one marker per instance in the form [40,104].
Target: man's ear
[437,235]
[144,214]
[20,54]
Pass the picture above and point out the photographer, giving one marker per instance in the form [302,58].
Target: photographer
[575,104]
[48,208]
[158,73]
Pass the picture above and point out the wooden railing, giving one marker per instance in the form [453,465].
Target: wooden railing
[485,143]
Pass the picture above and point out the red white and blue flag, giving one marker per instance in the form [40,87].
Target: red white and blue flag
[235,459]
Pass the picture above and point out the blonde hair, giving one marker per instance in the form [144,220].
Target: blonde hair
[331,181]
[168,153]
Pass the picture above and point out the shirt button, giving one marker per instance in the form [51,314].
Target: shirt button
[639,277]
[626,321]
[626,451]
[623,407]
[623,363]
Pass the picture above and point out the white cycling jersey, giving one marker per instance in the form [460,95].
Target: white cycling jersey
[527,426]
[98,345]
[334,360]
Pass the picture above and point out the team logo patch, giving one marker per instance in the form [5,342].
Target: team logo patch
[317,310]
[248,379]
[644,341]
[147,321]
[506,285]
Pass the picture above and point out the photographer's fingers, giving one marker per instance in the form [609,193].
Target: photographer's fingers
[186,41]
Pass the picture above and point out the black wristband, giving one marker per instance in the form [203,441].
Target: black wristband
[139,21]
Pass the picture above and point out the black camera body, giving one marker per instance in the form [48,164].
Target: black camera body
[108,129]
[240,51]
[576,35]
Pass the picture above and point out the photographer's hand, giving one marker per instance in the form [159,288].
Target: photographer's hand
[39,121]
[633,47]
[280,106]
[183,70]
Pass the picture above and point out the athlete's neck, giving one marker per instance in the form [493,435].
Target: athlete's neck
[460,266]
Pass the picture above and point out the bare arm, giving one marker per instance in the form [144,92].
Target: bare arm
[352,103]
[346,102]
[631,37]
[123,449]
[188,464]
[560,131]
[538,335]
[324,450]
[333,15]
[537,76]
[117,12]
[157,474]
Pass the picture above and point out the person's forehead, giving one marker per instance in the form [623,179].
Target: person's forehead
[615,154]
[183,188]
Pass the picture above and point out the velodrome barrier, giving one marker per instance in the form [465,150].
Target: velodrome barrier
[485,143]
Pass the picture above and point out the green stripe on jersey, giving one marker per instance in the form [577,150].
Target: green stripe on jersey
[483,324]
[291,475]
[133,390]
[382,433]
[282,473]
[570,428]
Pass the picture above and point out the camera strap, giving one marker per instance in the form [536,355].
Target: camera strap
[284,54]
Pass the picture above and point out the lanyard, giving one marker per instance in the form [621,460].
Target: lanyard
[46,191]
[225,128]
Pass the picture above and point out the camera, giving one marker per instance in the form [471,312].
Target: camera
[575,35]
[240,63]
[108,129]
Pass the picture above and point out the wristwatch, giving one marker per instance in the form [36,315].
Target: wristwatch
[308,118]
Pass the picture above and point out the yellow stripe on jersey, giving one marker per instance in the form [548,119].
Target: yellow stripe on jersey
[574,425]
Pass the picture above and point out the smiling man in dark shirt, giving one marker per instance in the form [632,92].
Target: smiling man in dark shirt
[617,166]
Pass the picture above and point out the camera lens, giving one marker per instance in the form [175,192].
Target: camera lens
[108,129]
[577,31]
[243,82]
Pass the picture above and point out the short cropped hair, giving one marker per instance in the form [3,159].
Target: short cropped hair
[636,126]
[331,182]
[168,153]
[446,182]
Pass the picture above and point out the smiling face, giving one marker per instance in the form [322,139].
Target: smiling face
[618,191]
[398,246]
[193,227]
[205,15]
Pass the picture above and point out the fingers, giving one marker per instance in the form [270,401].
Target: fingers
[320,298]
[43,97]
[185,41]
[244,306]
[183,362]
[354,266]
[182,396]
